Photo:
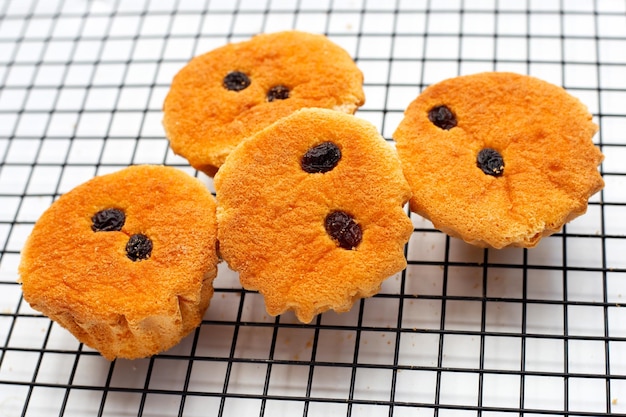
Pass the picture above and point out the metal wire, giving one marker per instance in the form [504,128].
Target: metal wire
[462,331]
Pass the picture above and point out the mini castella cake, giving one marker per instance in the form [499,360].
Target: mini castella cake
[498,159]
[125,261]
[227,94]
[310,212]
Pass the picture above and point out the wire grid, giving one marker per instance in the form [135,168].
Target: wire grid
[462,331]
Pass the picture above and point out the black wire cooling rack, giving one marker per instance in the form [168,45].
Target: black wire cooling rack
[461,332]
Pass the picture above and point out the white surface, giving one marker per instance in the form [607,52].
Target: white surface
[463,330]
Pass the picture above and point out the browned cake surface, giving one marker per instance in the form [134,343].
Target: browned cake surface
[205,121]
[84,280]
[271,213]
[544,136]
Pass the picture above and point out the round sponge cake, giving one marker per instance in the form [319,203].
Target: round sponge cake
[310,212]
[126,260]
[499,159]
[229,93]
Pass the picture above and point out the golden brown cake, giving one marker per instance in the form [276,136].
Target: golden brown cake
[499,159]
[229,93]
[125,261]
[310,212]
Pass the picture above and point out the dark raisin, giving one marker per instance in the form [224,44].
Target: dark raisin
[321,158]
[236,81]
[342,228]
[139,247]
[442,117]
[280,92]
[108,220]
[490,161]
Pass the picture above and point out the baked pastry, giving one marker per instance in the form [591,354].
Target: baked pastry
[310,212]
[498,159]
[229,93]
[125,261]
